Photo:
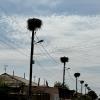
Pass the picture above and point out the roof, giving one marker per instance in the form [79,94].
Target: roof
[42,89]
[10,79]
[25,81]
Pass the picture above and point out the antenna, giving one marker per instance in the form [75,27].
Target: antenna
[34,78]
[44,82]
[5,68]
[13,73]
[38,81]
[24,75]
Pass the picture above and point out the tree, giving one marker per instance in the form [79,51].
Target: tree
[93,95]
[2,83]
[76,76]
[83,97]
[4,89]
[59,85]
[89,89]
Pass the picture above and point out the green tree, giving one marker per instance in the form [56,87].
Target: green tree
[83,97]
[59,84]
[93,95]
[3,87]
[2,83]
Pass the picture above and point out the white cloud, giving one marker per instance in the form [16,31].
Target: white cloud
[77,37]
[49,7]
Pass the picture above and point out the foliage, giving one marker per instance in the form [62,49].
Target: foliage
[2,83]
[93,95]
[84,97]
[90,96]
[4,89]
[59,84]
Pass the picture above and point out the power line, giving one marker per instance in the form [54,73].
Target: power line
[45,71]
[9,45]
[70,76]
[44,49]
[49,55]
[71,47]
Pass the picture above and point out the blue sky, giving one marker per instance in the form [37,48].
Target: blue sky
[48,7]
[70,28]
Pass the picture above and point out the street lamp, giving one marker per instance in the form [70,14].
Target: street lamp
[33,25]
[67,68]
[64,60]
[39,41]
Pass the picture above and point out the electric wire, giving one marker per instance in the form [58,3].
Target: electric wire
[13,47]
[49,55]
[43,47]
[17,50]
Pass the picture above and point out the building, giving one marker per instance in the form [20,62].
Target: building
[14,81]
[20,86]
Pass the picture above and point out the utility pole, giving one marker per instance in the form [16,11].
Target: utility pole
[24,75]
[76,76]
[86,85]
[33,25]
[81,82]
[64,60]
[64,75]
[31,60]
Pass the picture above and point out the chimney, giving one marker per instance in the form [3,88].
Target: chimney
[24,75]
[34,78]
[13,73]
[47,83]
[39,82]
[44,82]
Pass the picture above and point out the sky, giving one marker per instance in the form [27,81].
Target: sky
[70,28]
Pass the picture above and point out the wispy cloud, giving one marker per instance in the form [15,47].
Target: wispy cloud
[49,7]
[72,34]
[77,37]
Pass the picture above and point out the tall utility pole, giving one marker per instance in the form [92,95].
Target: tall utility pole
[31,60]
[24,75]
[81,82]
[76,76]
[33,25]
[86,85]
[64,60]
